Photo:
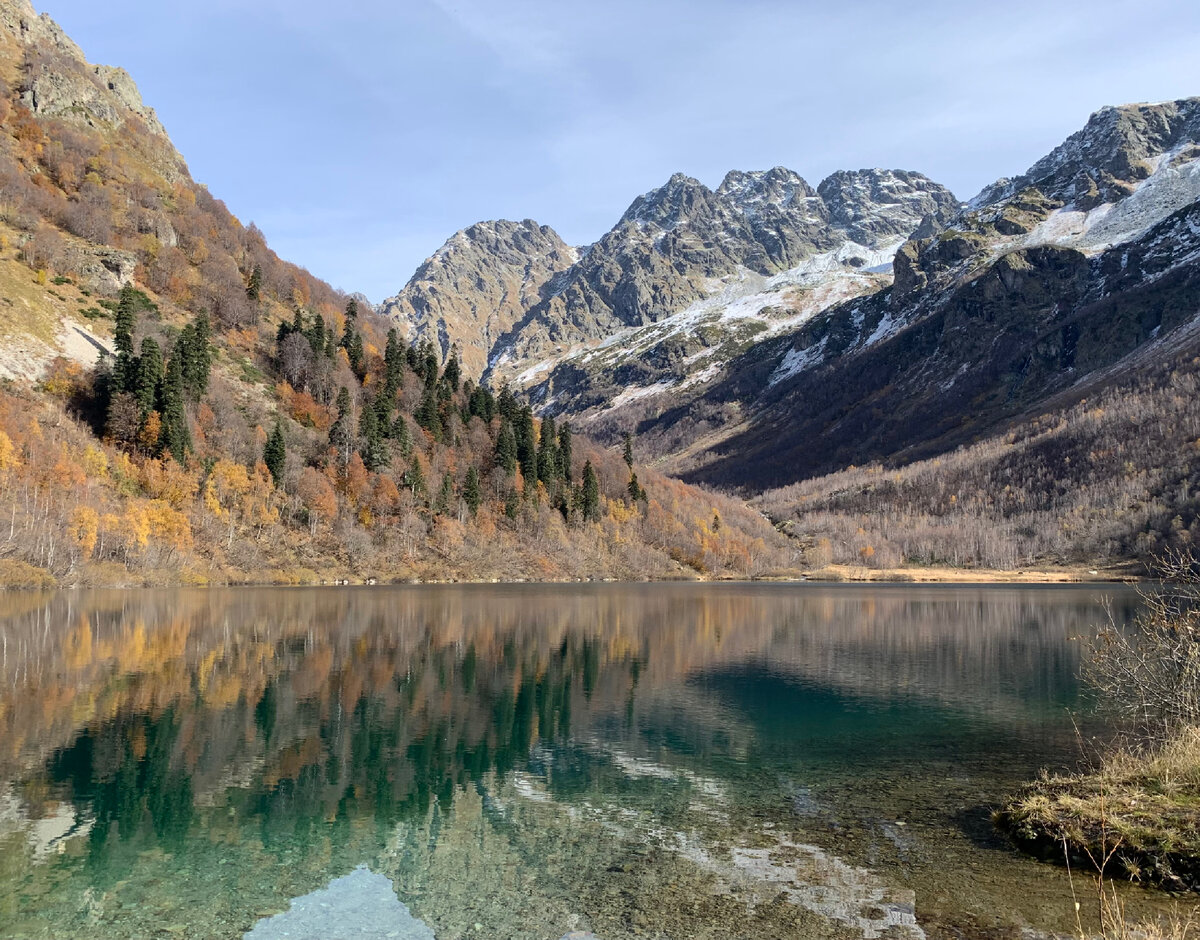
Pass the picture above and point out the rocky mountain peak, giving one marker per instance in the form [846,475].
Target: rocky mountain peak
[675,201]
[1108,156]
[873,204]
[58,81]
[478,284]
[778,187]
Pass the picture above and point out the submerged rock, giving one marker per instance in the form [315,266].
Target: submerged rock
[359,906]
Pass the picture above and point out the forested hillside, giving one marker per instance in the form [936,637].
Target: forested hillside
[180,404]
[1108,479]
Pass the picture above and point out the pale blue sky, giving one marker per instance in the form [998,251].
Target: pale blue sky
[360,135]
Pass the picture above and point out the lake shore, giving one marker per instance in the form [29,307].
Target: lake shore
[1123,573]
[21,576]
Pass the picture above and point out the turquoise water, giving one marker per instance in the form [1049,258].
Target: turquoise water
[523,761]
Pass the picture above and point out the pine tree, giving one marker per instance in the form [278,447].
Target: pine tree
[275,454]
[512,504]
[316,335]
[402,436]
[124,372]
[453,374]
[628,450]
[445,494]
[526,446]
[195,347]
[427,413]
[431,366]
[564,452]
[472,495]
[176,437]
[374,445]
[356,355]
[254,283]
[393,361]
[414,479]
[341,433]
[149,375]
[506,448]
[507,404]
[636,493]
[351,310]
[590,494]
[548,458]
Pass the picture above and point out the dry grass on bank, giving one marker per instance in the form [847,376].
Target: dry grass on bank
[1137,815]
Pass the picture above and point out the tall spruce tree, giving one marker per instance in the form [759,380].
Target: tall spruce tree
[393,362]
[124,372]
[506,448]
[374,444]
[275,454]
[149,376]
[548,457]
[472,495]
[175,437]
[564,451]
[590,501]
[453,373]
[195,347]
[341,432]
[526,445]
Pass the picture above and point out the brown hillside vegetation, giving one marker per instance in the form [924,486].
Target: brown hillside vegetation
[245,421]
[1111,478]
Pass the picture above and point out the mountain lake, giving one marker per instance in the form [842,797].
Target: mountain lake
[537,761]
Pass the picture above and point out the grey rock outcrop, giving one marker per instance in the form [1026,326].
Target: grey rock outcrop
[1102,161]
[477,285]
[511,295]
[59,81]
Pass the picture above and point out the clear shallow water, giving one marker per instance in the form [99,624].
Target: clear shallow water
[650,760]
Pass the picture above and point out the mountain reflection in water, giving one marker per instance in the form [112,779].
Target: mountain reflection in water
[531,759]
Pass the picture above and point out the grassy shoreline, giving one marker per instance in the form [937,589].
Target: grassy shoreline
[1136,816]
[15,575]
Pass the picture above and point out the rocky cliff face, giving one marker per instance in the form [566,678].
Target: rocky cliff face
[683,242]
[513,296]
[56,80]
[477,285]
[1082,267]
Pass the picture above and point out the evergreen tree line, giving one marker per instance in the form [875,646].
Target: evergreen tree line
[147,392]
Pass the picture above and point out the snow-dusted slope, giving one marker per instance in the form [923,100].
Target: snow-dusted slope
[1072,273]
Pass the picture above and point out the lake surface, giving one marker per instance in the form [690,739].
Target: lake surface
[523,761]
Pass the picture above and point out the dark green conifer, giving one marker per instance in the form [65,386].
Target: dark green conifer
[402,436]
[374,444]
[254,283]
[275,454]
[472,494]
[124,372]
[393,362]
[195,347]
[506,448]
[590,502]
[175,437]
[445,494]
[628,450]
[149,376]
[341,433]
[452,374]
[548,456]
[414,479]
[564,451]
[526,445]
